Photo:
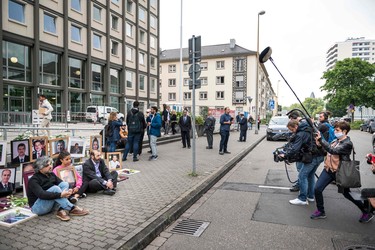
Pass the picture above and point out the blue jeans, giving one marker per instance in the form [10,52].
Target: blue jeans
[153,139]
[133,141]
[298,167]
[306,178]
[224,140]
[41,207]
[112,146]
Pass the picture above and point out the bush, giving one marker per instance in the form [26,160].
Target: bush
[355,124]
[199,120]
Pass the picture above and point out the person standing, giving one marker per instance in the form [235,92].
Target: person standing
[173,121]
[225,122]
[154,126]
[148,122]
[166,118]
[250,121]
[259,121]
[243,128]
[45,110]
[114,125]
[238,119]
[209,127]
[185,127]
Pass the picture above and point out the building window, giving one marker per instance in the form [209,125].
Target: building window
[16,11]
[76,73]
[220,80]
[153,3]
[114,48]
[115,82]
[116,1]
[129,30]
[142,82]
[129,79]
[239,97]
[97,13]
[220,64]
[171,96]
[153,62]
[129,53]
[76,34]
[202,95]
[187,95]
[129,6]
[152,42]
[49,23]
[172,68]
[239,82]
[76,5]
[114,22]
[141,58]
[204,66]
[49,68]
[142,36]
[97,41]
[97,77]
[204,81]
[76,103]
[153,22]
[16,62]
[186,67]
[186,81]
[219,94]
[153,85]
[141,14]
[172,82]
[239,65]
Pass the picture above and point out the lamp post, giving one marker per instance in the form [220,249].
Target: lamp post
[257,77]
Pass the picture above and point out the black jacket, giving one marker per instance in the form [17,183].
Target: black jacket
[89,172]
[39,184]
[140,116]
[185,126]
[343,149]
[301,141]
[243,123]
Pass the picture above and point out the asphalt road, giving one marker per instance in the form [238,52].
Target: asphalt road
[249,209]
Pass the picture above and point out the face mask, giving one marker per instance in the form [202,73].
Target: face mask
[339,135]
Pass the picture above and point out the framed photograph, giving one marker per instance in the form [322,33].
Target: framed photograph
[76,147]
[38,147]
[14,216]
[20,151]
[3,152]
[58,145]
[27,173]
[7,181]
[68,174]
[114,160]
[79,168]
[26,167]
[96,143]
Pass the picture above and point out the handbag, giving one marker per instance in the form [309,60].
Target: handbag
[348,175]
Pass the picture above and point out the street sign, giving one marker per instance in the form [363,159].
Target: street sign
[35,116]
[195,49]
[271,104]
[197,84]
[197,71]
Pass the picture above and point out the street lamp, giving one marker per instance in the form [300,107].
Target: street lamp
[256,79]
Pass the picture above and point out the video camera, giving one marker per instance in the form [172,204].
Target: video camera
[277,153]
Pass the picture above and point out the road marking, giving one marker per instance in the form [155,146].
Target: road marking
[274,187]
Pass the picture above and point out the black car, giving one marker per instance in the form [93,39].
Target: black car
[365,125]
[371,127]
[277,129]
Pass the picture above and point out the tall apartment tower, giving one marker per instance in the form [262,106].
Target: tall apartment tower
[79,53]
[351,48]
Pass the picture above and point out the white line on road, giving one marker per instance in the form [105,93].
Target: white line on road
[274,187]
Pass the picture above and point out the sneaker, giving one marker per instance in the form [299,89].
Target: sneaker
[226,152]
[109,192]
[135,159]
[73,200]
[294,189]
[310,199]
[77,211]
[297,201]
[221,153]
[153,158]
[365,218]
[83,195]
[318,215]
[62,215]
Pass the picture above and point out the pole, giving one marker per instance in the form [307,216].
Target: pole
[193,111]
[181,69]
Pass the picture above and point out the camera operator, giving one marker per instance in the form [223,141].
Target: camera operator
[302,149]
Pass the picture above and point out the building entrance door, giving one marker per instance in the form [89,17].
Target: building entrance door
[16,109]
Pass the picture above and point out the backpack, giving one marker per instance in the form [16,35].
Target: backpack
[331,131]
[134,124]
[108,131]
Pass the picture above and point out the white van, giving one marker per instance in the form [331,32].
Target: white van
[101,113]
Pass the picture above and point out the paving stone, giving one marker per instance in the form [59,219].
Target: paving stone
[86,246]
[151,247]
[101,244]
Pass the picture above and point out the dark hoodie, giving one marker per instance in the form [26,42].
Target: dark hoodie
[141,117]
[301,141]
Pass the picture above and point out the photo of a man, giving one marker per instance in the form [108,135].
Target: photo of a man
[60,146]
[76,149]
[5,184]
[22,153]
[39,149]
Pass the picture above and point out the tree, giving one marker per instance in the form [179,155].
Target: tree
[351,81]
[312,105]
[336,110]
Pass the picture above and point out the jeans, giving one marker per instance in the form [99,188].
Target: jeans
[298,167]
[41,207]
[224,140]
[133,140]
[153,139]
[112,146]
[306,178]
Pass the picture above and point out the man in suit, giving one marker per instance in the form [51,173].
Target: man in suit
[22,157]
[5,185]
[76,149]
[185,125]
[38,149]
[97,176]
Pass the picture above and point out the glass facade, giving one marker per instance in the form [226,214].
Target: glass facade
[16,62]
[97,77]
[50,68]
[115,83]
[16,11]
[76,73]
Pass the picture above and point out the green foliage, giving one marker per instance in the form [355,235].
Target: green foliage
[355,124]
[199,120]
[350,82]
[312,105]
[336,110]
[204,112]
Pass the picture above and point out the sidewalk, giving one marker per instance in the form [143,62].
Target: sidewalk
[143,205]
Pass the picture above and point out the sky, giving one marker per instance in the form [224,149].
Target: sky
[300,32]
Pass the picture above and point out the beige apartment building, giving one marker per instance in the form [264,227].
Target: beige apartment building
[228,76]
[78,53]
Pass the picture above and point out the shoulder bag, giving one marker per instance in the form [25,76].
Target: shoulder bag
[348,175]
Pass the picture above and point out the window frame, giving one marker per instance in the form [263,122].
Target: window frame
[22,8]
[172,82]
[79,33]
[219,97]
[220,64]
[100,13]
[100,41]
[54,23]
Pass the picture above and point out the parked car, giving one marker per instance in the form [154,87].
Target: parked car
[365,125]
[277,129]
[371,127]
[101,113]
[373,143]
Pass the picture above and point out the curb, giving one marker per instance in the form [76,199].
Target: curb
[150,232]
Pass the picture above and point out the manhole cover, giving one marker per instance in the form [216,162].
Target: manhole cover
[190,227]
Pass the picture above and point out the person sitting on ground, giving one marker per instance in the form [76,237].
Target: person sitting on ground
[78,190]
[97,176]
[45,191]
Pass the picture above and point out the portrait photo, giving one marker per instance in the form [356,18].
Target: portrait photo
[26,167]
[57,146]
[68,175]
[3,153]
[20,151]
[27,173]
[114,160]
[38,147]
[77,147]
[7,181]
[96,143]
